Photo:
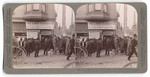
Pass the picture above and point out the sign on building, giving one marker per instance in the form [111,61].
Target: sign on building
[33,35]
[40,25]
[101,25]
[94,34]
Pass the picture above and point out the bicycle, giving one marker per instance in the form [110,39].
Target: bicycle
[18,54]
[80,55]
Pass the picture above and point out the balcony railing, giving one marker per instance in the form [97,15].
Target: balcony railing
[97,16]
[35,16]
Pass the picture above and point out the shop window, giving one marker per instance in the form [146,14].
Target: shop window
[98,7]
[36,7]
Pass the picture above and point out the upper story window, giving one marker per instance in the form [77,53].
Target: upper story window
[91,7]
[98,7]
[105,8]
[43,8]
[36,7]
[29,7]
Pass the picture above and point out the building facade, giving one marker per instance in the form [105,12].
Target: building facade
[96,20]
[34,20]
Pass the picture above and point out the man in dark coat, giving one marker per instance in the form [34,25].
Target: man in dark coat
[42,42]
[125,45]
[37,47]
[109,45]
[28,47]
[98,47]
[116,44]
[133,46]
[104,43]
[94,46]
[21,44]
[31,46]
[90,46]
[72,44]
[45,46]
[63,45]
[48,46]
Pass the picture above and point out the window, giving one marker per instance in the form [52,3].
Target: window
[43,8]
[105,8]
[36,7]
[98,7]
[29,7]
[91,7]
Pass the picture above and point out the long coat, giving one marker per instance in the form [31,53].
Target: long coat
[37,45]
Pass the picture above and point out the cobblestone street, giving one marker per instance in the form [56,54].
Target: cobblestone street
[59,61]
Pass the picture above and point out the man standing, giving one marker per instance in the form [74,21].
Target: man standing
[133,46]
[104,43]
[37,47]
[98,47]
[125,45]
[45,46]
[28,47]
[54,44]
[72,43]
[116,44]
[67,45]
[21,44]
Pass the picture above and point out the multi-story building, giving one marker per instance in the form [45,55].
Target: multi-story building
[96,20]
[34,20]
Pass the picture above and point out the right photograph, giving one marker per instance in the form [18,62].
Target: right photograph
[107,33]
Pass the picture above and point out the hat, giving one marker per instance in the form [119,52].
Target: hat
[134,35]
[73,35]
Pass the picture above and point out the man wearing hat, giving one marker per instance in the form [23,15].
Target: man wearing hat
[133,46]
[72,43]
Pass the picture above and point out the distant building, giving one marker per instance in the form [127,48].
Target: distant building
[134,27]
[34,20]
[96,20]
[133,30]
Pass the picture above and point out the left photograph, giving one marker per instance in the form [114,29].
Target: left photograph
[41,35]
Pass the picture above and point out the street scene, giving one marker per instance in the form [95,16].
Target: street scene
[100,35]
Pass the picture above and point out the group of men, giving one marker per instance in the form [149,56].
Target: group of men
[53,44]
[126,45]
[66,45]
[30,46]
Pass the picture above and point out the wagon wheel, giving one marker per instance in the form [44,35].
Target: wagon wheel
[80,54]
[18,54]
[24,50]
[131,65]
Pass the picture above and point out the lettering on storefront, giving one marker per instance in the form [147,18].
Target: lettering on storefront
[109,33]
[100,25]
[33,35]
[94,34]
[39,25]
[46,32]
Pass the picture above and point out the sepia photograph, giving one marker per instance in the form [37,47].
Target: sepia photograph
[108,32]
[97,35]
[41,35]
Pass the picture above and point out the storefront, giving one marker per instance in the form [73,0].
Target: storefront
[101,29]
[39,29]
[19,30]
[82,30]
